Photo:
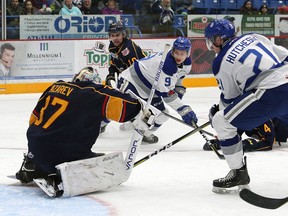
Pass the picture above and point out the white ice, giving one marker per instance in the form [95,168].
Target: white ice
[177,181]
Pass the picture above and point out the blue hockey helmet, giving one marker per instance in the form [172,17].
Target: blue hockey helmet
[182,43]
[117,27]
[87,74]
[222,28]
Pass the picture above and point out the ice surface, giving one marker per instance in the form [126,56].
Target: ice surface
[176,182]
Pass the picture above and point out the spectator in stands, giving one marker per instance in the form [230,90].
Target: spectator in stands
[183,7]
[13,10]
[69,9]
[163,17]
[263,10]
[111,8]
[248,8]
[29,8]
[232,19]
[282,9]
[42,6]
[56,6]
[89,8]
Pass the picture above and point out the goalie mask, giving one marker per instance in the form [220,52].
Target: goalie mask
[87,74]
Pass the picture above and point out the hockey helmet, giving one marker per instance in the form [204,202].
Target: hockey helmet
[222,28]
[182,43]
[87,74]
[117,27]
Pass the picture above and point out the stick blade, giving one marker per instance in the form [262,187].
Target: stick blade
[261,201]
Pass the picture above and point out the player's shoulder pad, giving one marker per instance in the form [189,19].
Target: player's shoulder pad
[188,61]
[170,67]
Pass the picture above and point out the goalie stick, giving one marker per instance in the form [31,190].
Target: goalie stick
[138,134]
[105,171]
[261,201]
[171,144]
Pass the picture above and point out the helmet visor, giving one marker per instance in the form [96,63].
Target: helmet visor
[209,44]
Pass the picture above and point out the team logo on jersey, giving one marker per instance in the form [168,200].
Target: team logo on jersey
[125,52]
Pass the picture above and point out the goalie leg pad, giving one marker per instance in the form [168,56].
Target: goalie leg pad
[93,174]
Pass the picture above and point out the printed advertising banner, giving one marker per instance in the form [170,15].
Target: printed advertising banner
[269,25]
[63,27]
[50,60]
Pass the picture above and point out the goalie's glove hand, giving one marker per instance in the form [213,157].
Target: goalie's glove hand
[213,110]
[110,78]
[187,114]
[145,121]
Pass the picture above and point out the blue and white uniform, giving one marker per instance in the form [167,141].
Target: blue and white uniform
[139,79]
[253,80]
[142,76]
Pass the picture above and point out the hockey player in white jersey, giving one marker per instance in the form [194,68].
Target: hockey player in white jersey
[140,77]
[252,77]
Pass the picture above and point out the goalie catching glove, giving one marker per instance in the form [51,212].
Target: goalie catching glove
[187,114]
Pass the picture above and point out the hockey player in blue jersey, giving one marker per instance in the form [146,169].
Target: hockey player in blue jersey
[253,79]
[140,77]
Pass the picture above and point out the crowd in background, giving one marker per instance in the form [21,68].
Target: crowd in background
[152,16]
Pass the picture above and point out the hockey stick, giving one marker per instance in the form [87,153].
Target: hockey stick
[220,156]
[261,201]
[202,132]
[171,144]
[138,134]
[105,171]
[179,120]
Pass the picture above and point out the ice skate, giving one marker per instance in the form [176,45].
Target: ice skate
[150,139]
[28,171]
[51,185]
[233,182]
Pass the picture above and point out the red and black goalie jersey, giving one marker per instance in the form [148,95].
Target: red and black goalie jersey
[66,120]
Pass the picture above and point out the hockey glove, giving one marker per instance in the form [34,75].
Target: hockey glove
[109,79]
[213,110]
[187,114]
[214,142]
[181,90]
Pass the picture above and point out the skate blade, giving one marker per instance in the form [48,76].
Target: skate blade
[232,190]
[48,189]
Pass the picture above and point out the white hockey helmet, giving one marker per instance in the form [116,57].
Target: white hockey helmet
[87,74]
